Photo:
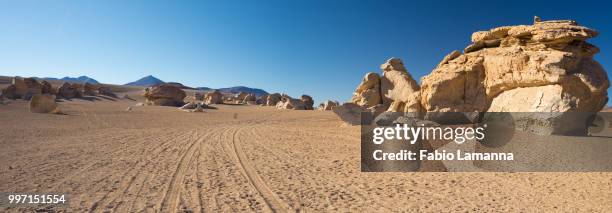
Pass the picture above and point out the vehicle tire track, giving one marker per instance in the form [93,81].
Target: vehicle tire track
[171,198]
[273,202]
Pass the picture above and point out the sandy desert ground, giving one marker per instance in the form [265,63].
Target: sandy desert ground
[245,158]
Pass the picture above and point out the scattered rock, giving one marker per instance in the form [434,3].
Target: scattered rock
[164,95]
[328,105]
[189,105]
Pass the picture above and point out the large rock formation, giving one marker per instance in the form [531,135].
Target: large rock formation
[164,95]
[248,98]
[368,92]
[214,97]
[399,90]
[544,67]
[288,102]
[23,88]
[395,91]
[67,91]
[273,99]
[46,87]
[308,102]
[90,89]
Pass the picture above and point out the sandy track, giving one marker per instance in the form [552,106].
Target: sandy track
[245,158]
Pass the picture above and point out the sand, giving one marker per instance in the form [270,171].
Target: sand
[244,158]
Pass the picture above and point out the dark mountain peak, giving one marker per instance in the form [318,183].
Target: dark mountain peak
[146,81]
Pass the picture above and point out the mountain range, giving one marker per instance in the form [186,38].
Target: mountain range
[150,80]
[80,79]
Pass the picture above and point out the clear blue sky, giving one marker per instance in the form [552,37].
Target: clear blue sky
[321,48]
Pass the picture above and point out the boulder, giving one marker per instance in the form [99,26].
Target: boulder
[67,91]
[214,97]
[307,101]
[43,103]
[249,97]
[262,100]
[273,99]
[10,92]
[240,96]
[290,103]
[46,87]
[327,105]
[164,95]
[513,67]
[399,90]
[367,92]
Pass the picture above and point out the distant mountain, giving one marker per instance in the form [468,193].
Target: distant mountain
[80,79]
[179,85]
[203,88]
[147,81]
[238,89]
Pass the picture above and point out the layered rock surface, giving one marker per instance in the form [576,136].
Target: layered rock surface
[550,58]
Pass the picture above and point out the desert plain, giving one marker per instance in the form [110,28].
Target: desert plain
[243,158]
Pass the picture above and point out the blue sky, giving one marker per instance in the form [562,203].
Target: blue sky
[320,48]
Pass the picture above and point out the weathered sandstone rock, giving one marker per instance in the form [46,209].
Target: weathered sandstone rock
[46,87]
[544,66]
[214,97]
[67,91]
[399,90]
[328,105]
[367,92]
[43,103]
[273,99]
[249,97]
[164,95]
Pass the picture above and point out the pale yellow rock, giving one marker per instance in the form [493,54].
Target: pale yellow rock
[399,90]
[546,53]
[367,92]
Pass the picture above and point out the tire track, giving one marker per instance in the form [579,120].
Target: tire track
[273,202]
[129,176]
[171,198]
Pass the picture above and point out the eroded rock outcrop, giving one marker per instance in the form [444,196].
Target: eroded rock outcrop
[67,91]
[214,97]
[399,90]
[273,99]
[368,92]
[308,102]
[164,95]
[517,67]
[23,88]
[327,105]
